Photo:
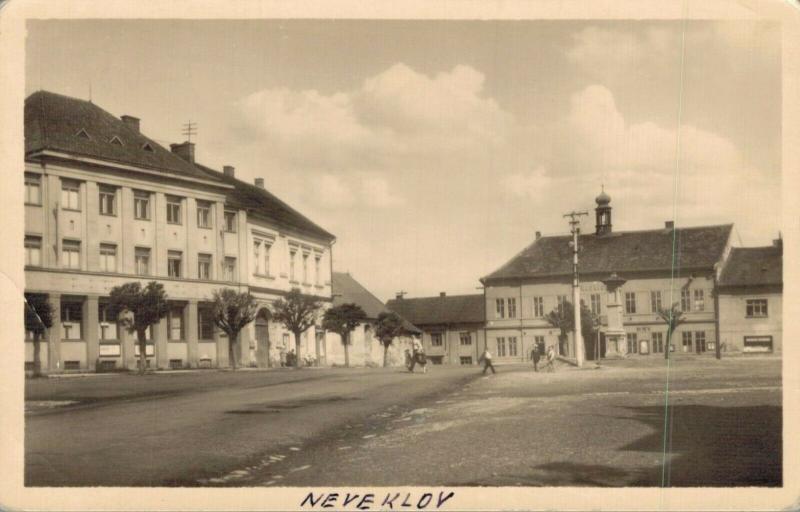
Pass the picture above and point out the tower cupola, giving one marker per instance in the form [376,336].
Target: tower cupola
[603,213]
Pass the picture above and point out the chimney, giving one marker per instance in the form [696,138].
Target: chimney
[442,294]
[184,150]
[670,224]
[398,296]
[538,235]
[260,182]
[778,242]
[131,122]
[228,170]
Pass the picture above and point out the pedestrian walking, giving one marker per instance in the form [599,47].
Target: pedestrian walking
[551,357]
[486,357]
[535,357]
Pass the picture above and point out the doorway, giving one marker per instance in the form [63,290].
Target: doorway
[262,338]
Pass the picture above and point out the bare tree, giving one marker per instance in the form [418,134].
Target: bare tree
[38,318]
[342,319]
[137,309]
[297,312]
[673,317]
[232,312]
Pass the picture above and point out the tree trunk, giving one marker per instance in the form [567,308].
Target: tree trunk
[232,349]
[37,355]
[142,351]
[669,345]
[297,349]
[385,355]
[346,342]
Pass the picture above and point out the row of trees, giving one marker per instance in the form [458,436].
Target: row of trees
[137,308]
[563,318]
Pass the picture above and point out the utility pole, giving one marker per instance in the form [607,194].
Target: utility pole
[574,223]
[189,129]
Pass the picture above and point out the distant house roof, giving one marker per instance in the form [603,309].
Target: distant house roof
[262,202]
[441,310]
[81,128]
[624,251]
[753,266]
[347,290]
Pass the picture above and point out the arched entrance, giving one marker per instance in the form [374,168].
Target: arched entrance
[262,338]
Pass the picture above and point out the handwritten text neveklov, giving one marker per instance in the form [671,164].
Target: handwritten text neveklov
[376,501]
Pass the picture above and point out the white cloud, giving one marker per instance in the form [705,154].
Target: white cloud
[534,184]
[376,193]
[333,192]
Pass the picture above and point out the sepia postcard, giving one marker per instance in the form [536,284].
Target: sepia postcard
[426,256]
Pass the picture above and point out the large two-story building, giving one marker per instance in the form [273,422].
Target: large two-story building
[106,205]
[659,267]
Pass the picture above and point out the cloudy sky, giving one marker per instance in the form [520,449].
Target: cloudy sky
[434,150]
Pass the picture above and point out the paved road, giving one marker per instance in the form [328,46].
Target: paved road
[358,427]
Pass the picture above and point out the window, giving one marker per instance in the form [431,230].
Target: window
[658,342]
[70,195]
[655,301]
[512,308]
[71,254]
[257,257]
[174,263]
[108,257]
[204,266]
[107,324]
[317,270]
[686,338]
[700,341]
[756,308]
[686,301]
[71,320]
[512,346]
[292,254]
[33,189]
[147,147]
[562,299]
[633,345]
[465,338]
[175,323]
[539,341]
[33,250]
[142,255]
[501,347]
[141,204]
[630,302]
[230,221]
[538,307]
[594,303]
[501,308]
[305,267]
[436,339]
[699,302]
[205,323]
[108,200]
[203,214]
[267,248]
[229,269]
[116,140]
[466,360]
[174,210]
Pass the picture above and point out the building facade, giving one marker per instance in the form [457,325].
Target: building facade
[453,327]
[750,300]
[365,349]
[106,205]
[522,292]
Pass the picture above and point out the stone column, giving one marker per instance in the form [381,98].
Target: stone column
[190,319]
[162,356]
[222,348]
[53,363]
[91,331]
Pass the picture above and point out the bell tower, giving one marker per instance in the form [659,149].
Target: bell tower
[603,213]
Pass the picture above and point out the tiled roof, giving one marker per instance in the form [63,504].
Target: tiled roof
[347,290]
[441,310]
[625,251]
[54,121]
[262,202]
[753,266]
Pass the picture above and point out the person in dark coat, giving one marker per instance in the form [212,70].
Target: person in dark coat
[536,357]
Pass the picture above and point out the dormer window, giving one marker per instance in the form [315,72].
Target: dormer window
[115,140]
[147,147]
[82,134]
